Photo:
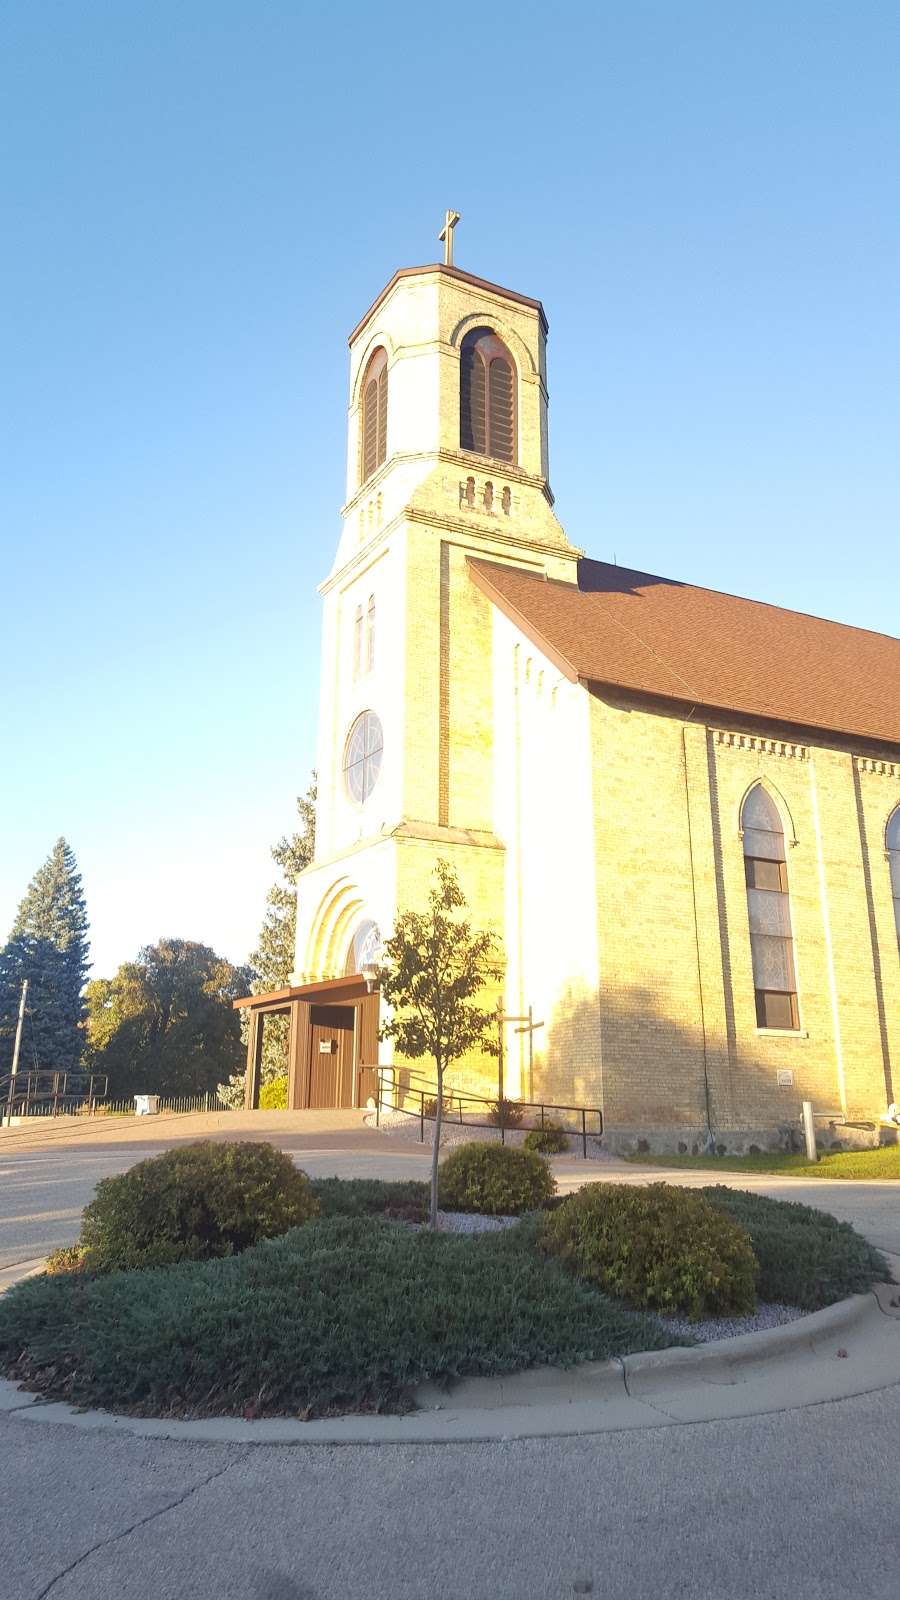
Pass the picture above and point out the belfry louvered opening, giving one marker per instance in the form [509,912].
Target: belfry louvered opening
[374,415]
[487,396]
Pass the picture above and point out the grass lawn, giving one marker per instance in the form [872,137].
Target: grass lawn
[881,1163]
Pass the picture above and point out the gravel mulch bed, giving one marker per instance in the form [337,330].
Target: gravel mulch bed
[765,1316]
[405,1127]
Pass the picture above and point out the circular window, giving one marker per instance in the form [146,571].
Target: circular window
[362,757]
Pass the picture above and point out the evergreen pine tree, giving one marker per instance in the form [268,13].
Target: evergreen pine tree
[273,959]
[48,946]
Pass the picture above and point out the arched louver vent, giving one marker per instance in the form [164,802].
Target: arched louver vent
[374,415]
[487,396]
[501,414]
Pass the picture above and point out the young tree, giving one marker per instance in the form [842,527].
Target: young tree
[435,968]
[48,946]
[165,1023]
[273,959]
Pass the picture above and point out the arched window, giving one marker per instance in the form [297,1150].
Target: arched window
[771,941]
[892,840]
[365,946]
[358,625]
[374,415]
[370,634]
[487,396]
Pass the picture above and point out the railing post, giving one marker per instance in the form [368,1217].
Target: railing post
[583,1133]
[378,1099]
[421,1116]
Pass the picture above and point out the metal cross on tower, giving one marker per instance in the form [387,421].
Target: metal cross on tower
[451,218]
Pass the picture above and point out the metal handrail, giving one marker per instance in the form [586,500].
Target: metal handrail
[389,1094]
[44,1091]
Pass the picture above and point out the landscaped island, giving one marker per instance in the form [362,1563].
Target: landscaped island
[218,1279]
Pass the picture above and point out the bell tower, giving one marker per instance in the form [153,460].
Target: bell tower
[447,459]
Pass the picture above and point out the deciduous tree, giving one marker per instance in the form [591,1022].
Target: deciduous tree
[165,1023]
[434,973]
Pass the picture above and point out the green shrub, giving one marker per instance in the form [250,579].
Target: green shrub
[371,1197]
[194,1202]
[506,1114]
[71,1258]
[660,1247]
[806,1257]
[343,1314]
[550,1140]
[450,1104]
[495,1179]
[273,1095]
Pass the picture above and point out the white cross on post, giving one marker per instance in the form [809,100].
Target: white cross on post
[451,218]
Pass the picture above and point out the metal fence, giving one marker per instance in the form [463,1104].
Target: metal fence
[83,1094]
[413,1095]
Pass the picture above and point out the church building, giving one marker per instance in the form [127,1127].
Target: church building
[678,810]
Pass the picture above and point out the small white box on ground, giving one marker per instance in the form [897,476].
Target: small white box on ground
[146,1105]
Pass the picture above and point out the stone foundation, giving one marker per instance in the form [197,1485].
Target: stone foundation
[692,1140]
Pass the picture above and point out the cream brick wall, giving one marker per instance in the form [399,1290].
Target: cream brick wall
[678,1011]
[543,814]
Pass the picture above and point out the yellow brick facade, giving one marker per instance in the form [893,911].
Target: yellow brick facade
[598,836]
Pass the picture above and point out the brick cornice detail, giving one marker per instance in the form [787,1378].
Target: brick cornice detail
[884,769]
[760,745]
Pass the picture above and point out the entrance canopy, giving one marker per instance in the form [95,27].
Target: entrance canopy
[332,1042]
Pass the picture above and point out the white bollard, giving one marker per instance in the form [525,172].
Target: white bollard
[809,1131]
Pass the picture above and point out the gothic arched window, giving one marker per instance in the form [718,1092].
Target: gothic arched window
[370,634]
[487,396]
[771,940]
[892,840]
[358,626]
[373,431]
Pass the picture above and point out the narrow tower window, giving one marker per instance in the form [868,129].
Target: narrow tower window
[358,625]
[370,634]
[771,940]
[374,415]
[487,398]
[892,841]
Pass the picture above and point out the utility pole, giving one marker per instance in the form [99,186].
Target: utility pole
[16,1048]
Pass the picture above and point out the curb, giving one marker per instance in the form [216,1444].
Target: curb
[847,1349]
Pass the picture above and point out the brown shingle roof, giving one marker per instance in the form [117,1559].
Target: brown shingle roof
[660,637]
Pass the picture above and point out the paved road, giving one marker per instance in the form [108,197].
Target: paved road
[47,1178]
[799,1506]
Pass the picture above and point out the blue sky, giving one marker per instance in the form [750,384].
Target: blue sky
[201,199]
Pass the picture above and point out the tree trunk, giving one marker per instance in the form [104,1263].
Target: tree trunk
[436,1150]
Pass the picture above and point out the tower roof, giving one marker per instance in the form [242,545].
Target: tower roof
[460,277]
[657,636]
